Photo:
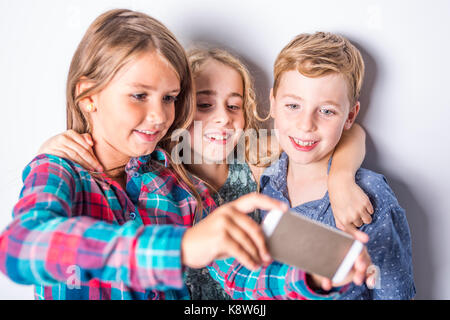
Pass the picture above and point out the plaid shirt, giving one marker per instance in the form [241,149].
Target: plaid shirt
[78,237]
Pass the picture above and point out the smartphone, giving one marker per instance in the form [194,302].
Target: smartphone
[310,245]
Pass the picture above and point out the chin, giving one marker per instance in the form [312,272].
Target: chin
[143,152]
[214,158]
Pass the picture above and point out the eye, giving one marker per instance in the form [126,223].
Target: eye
[292,106]
[139,96]
[234,107]
[203,105]
[170,99]
[327,111]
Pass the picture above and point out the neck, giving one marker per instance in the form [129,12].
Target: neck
[214,174]
[112,160]
[312,171]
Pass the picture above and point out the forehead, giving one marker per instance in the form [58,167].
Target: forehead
[150,68]
[330,87]
[217,76]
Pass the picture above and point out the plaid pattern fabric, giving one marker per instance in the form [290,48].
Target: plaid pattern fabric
[275,281]
[76,236]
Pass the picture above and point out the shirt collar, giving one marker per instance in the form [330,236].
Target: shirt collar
[141,164]
[276,174]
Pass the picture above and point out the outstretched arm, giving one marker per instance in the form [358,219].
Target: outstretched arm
[45,239]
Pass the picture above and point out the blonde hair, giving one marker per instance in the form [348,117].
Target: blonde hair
[197,58]
[114,39]
[319,54]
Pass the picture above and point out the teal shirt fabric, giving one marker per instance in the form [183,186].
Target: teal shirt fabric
[240,181]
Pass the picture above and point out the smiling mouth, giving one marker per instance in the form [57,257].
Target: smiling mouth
[304,145]
[147,131]
[147,135]
[217,138]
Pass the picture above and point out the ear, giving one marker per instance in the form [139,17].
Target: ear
[272,104]
[352,116]
[83,85]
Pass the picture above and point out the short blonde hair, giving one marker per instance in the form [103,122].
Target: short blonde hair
[319,54]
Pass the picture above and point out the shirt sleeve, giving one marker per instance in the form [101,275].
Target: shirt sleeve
[275,281]
[44,242]
[390,249]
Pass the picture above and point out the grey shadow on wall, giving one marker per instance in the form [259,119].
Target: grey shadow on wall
[260,77]
[415,213]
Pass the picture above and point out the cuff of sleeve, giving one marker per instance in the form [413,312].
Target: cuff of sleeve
[302,287]
[159,258]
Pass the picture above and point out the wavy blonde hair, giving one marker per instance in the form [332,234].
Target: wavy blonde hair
[114,39]
[199,56]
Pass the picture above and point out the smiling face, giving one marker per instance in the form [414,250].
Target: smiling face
[135,110]
[310,114]
[220,102]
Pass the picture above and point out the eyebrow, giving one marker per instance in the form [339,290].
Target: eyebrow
[292,96]
[334,103]
[139,85]
[214,93]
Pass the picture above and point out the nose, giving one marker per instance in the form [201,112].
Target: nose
[306,122]
[221,114]
[157,113]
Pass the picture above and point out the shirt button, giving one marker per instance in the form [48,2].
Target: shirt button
[132,215]
[135,174]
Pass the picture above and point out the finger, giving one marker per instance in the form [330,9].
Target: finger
[366,217]
[369,206]
[87,137]
[340,225]
[358,222]
[242,236]
[356,234]
[85,155]
[360,267]
[234,249]
[78,138]
[80,155]
[253,201]
[371,278]
[326,284]
[256,234]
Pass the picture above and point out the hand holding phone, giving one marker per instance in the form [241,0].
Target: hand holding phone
[313,246]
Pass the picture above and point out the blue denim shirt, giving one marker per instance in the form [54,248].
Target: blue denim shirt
[390,242]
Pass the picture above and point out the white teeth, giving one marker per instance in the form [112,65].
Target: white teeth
[147,132]
[302,143]
[216,137]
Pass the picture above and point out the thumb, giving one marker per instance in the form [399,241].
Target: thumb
[355,233]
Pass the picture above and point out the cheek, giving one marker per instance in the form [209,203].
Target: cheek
[239,122]
[200,116]
[170,115]
[195,136]
[333,130]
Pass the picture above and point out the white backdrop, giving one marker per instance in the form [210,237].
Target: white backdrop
[405,45]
